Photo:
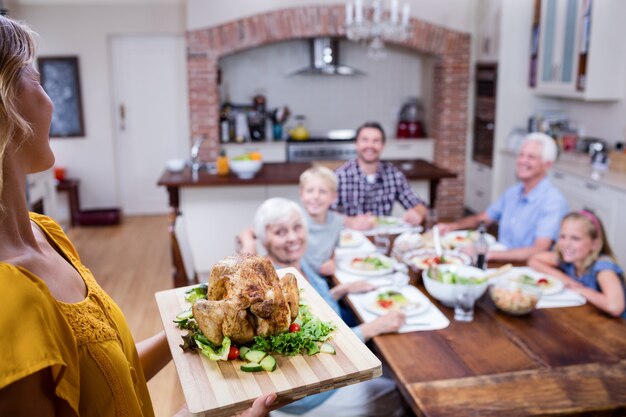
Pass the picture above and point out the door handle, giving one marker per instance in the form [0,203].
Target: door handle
[122,111]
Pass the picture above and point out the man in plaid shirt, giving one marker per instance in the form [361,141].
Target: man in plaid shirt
[368,187]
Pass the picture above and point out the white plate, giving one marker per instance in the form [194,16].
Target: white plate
[460,238]
[386,222]
[346,265]
[555,287]
[407,241]
[350,239]
[417,257]
[420,304]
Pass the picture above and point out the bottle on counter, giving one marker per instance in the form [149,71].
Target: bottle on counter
[481,247]
[222,163]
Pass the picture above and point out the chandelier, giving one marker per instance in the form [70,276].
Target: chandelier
[373,25]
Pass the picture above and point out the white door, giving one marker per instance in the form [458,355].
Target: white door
[150,93]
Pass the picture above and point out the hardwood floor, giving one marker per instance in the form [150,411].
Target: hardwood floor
[131,262]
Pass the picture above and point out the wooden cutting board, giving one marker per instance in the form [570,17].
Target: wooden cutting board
[222,389]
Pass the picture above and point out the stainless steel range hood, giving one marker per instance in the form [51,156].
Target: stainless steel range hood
[325,59]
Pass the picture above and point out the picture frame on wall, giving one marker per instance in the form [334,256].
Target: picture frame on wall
[61,80]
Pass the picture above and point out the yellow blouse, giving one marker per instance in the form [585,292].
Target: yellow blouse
[87,345]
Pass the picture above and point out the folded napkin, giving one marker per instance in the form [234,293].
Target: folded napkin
[565,298]
[430,319]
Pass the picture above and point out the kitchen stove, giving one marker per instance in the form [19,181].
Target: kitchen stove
[320,150]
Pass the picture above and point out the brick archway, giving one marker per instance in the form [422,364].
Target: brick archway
[451,49]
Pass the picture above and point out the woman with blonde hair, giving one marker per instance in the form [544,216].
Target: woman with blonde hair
[66,347]
[584,261]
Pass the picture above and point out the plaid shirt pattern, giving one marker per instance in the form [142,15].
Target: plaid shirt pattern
[357,196]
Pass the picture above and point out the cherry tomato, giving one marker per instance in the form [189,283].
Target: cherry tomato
[542,281]
[233,353]
[385,303]
[294,328]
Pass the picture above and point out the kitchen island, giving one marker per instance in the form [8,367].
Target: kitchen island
[216,208]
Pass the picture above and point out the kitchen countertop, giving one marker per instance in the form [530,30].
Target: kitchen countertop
[289,173]
[578,164]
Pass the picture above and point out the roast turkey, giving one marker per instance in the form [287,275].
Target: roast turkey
[245,298]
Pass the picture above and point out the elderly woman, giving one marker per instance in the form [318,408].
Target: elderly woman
[66,347]
[280,227]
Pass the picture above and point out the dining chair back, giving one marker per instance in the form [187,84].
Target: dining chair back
[184,271]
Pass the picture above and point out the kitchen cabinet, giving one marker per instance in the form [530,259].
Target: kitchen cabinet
[488,33]
[576,49]
[398,149]
[478,191]
[617,237]
[606,202]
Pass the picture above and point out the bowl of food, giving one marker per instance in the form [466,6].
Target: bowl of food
[442,281]
[514,297]
[422,259]
[406,242]
[246,166]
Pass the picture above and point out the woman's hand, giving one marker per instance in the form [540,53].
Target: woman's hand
[339,291]
[246,242]
[389,323]
[260,407]
[328,268]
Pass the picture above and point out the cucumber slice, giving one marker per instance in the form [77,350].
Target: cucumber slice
[255,356]
[312,349]
[242,352]
[328,348]
[268,363]
[251,367]
[185,315]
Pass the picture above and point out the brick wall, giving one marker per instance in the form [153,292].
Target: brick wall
[450,48]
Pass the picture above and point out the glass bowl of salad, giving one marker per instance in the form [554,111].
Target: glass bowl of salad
[442,281]
[514,297]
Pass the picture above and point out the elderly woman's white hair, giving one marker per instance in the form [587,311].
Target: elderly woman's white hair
[548,145]
[274,210]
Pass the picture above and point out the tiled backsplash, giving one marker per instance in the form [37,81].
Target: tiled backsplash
[328,102]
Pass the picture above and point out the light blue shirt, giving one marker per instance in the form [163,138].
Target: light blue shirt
[321,286]
[523,218]
[322,239]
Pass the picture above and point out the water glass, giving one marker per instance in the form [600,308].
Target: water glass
[382,243]
[464,303]
[432,218]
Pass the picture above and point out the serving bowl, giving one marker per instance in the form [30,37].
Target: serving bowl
[245,169]
[175,165]
[513,297]
[445,289]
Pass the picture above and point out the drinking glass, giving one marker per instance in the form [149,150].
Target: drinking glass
[382,243]
[464,303]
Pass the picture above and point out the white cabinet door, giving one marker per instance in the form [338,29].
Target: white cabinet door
[586,194]
[617,232]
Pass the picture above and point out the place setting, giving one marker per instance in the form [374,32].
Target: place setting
[390,225]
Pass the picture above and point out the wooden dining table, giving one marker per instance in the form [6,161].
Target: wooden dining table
[551,362]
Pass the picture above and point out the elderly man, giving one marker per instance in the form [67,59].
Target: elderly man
[529,213]
[368,187]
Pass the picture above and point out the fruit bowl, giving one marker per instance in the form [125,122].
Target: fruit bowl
[442,282]
[513,297]
[245,169]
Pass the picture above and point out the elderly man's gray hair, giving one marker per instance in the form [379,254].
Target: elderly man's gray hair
[548,145]
[274,210]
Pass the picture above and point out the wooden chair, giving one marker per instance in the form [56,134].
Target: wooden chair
[184,272]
